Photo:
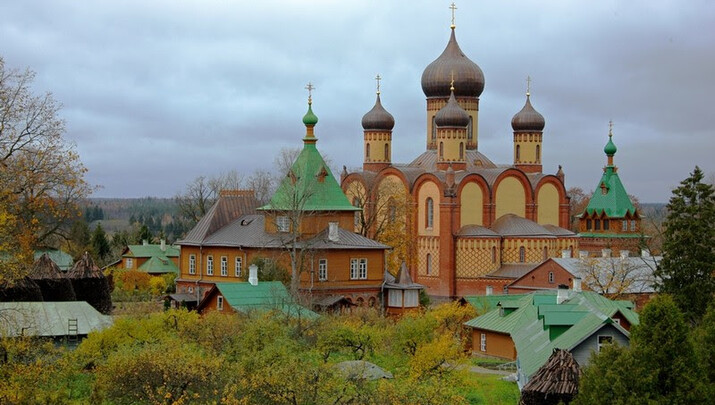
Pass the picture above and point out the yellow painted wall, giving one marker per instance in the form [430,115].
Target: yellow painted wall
[548,205]
[427,189]
[510,198]
[528,143]
[472,205]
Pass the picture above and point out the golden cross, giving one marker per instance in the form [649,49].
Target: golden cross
[378,78]
[453,7]
[310,89]
[528,85]
[610,128]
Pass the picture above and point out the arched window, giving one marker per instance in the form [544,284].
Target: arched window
[429,264]
[538,152]
[470,129]
[518,152]
[522,254]
[434,130]
[441,150]
[546,252]
[387,153]
[391,210]
[461,151]
[367,152]
[429,213]
[494,254]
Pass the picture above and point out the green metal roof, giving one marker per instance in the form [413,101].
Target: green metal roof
[159,265]
[265,296]
[612,235]
[610,196]
[309,185]
[484,303]
[151,251]
[62,259]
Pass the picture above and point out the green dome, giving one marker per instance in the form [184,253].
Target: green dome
[309,118]
[610,148]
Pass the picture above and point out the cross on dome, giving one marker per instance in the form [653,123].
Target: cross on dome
[453,7]
[378,78]
[310,89]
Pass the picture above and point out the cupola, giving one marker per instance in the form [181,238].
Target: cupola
[436,76]
[528,119]
[451,115]
[378,119]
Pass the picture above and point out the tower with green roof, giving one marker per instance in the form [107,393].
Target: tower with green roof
[610,220]
[309,197]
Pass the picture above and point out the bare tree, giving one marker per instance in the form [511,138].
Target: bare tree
[262,182]
[577,205]
[197,198]
[617,276]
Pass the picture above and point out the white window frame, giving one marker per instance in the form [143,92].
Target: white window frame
[224,266]
[322,269]
[353,269]
[209,265]
[192,264]
[394,298]
[633,225]
[130,263]
[238,266]
[362,266]
[483,342]
[616,321]
[600,345]
[283,223]
[411,298]
[624,225]
[219,303]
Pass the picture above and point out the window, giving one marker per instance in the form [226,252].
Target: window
[387,153]
[441,150]
[283,223]
[616,321]
[494,254]
[461,151]
[191,290]
[367,152]
[588,224]
[358,269]
[604,340]
[219,303]
[633,225]
[470,130]
[483,342]
[394,298]
[518,152]
[130,263]
[605,224]
[597,224]
[192,264]
[429,213]
[238,269]
[323,269]
[522,255]
[412,298]
[624,225]
[546,253]
[538,153]
[429,264]
[210,266]
[434,129]
[551,277]
[224,266]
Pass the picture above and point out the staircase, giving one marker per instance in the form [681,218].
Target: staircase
[72,331]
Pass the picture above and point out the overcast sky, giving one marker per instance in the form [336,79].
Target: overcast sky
[156,93]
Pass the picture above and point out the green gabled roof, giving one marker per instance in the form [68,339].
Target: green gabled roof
[265,296]
[151,251]
[159,265]
[484,303]
[610,196]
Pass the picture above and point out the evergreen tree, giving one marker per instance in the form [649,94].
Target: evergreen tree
[100,244]
[686,270]
[79,238]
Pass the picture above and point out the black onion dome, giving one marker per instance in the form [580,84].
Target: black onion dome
[528,119]
[451,115]
[468,77]
[378,119]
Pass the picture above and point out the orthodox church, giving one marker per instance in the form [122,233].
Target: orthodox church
[470,225]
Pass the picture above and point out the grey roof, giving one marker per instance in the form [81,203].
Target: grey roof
[514,225]
[428,160]
[345,240]
[245,231]
[50,318]
[330,300]
[231,205]
[403,281]
[638,271]
[476,231]
[558,231]
[512,270]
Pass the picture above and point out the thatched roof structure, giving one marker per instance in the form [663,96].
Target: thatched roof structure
[91,285]
[53,284]
[556,381]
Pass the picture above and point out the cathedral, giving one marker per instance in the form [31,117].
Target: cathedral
[470,226]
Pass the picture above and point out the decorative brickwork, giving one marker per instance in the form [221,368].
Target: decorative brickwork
[476,257]
[428,245]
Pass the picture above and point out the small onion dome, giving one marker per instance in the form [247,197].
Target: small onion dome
[310,119]
[610,148]
[469,79]
[451,115]
[378,119]
[528,119]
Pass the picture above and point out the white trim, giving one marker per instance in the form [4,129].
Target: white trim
[209,265]
[224,266]
[192,264]
[322,269]
[238,266]
[219,303]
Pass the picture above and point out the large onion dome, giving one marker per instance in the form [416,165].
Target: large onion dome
[468,77]
[451,115]
[378,119]
[528,119]
[610,148]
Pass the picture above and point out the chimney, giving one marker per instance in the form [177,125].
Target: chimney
[645,253]
[145,242]
[605,252]
[566,253]
[163,245]
[625,254]
[333,234]
[582,254]
[253,274]
[576,284]
[562,294]
[490,290]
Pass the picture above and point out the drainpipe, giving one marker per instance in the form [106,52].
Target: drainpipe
[201,273]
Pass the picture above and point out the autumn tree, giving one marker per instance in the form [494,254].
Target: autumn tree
[686,270]
[615,276]
[577,205]
[39,169]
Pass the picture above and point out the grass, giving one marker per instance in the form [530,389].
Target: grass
[491,389]
[487,362]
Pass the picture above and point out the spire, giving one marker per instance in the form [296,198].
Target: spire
[310,119]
